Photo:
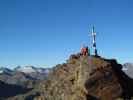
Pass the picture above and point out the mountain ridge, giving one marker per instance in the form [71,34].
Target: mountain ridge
[84,78]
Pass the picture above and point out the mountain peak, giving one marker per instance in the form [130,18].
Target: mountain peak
[26,69]
[86,78]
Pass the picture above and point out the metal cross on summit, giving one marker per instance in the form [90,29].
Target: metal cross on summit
[94,41]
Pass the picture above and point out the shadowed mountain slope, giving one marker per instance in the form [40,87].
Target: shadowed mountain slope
[7,90]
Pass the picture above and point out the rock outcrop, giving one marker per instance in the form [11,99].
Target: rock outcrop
[84,78]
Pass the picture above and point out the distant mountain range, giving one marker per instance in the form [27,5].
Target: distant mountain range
[31,69]
[25,76]
[25,69]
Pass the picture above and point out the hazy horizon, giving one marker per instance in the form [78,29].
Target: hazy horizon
[45,32]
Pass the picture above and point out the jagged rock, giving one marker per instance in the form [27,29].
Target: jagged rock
[85,78]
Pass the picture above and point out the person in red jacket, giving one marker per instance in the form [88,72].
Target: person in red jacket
[84,51]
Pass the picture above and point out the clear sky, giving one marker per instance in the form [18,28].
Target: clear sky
[45,32]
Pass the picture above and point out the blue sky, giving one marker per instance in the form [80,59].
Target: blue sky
[45,32]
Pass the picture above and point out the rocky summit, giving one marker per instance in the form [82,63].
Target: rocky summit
[83,78]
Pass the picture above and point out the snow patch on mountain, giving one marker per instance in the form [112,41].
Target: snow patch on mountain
[31,69]
[26,69]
